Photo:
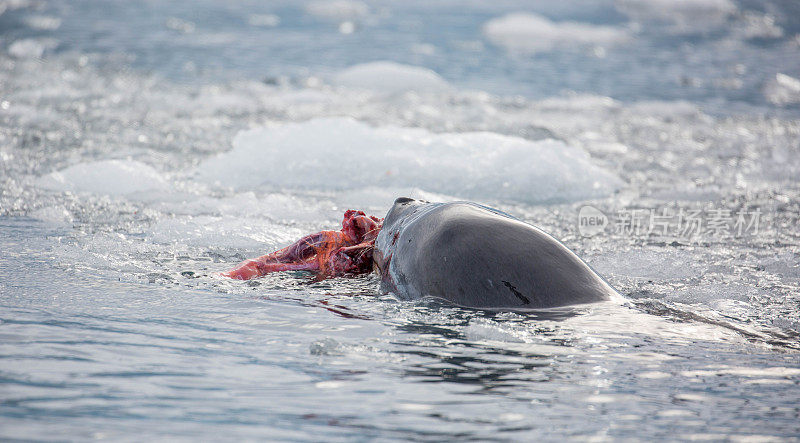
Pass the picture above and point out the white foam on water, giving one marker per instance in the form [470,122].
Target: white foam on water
[344,154]
[523,32]
[390,77]
[110,177]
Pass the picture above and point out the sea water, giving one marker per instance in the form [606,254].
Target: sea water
[147,146]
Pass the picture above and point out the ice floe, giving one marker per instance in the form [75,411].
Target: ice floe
[345,154]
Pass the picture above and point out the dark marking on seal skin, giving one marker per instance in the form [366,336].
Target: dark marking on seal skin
[474,256]
[513,289]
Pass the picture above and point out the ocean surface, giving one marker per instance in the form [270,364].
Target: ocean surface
[147,146]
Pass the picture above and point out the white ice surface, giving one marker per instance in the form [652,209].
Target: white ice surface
[345,154]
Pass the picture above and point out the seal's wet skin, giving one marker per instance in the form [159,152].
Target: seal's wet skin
[478,257]
[461,252]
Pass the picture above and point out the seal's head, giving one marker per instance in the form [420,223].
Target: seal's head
[403,211]
[402,207]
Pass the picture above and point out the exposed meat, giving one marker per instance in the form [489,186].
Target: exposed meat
[327,254]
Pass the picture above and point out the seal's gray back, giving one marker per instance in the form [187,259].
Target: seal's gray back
[475,256]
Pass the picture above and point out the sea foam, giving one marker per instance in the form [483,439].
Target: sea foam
[345,154]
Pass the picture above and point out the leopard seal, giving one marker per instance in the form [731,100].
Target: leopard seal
[474,256]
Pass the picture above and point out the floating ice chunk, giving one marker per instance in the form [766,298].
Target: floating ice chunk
[43,22]
[787,264]
[27,48]
[756,25]
[390,77]
[180,25]
[224,232]
[717,294]
[264,20]
[658,265]
[665,109]
[580,103]
[284,208]
[682,16]
[485,331]
[112,177]
[782,90]
[337,10]
[424,49]
[344,154]
[10,5]
[347,27]
[378,200]
[57,215]
[202,39]
[530,33]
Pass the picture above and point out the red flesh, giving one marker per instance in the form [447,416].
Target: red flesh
[327,254]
